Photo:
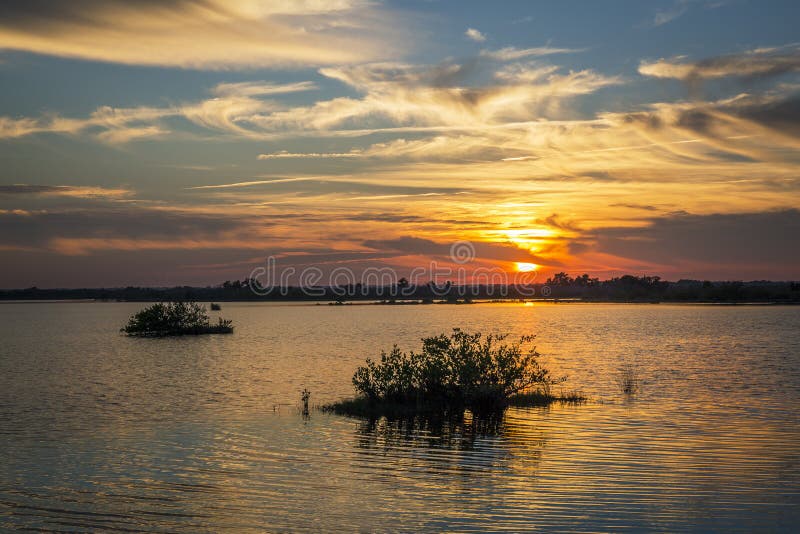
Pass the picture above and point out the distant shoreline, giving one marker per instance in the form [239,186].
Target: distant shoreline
[332,303]
[560,289]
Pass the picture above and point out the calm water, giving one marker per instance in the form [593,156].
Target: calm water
[104,432]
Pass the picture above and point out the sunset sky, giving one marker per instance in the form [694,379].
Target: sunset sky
[157,142]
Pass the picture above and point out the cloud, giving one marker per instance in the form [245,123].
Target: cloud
[758,63]
[260,88]
[409,245]
[451,147]
[511,53]
[455,125]
[474,35]
[747,126]
[232,103]
[645,207]
[251,183]
[118,136]
[65,191]
[331,187]
[311,155]
[394,97]
[11,128]
[523,20]
[678,9]
[117,125]
[435,96]
[781,114]
[209,34]
[485,149]
[562,85]
[78,231]
[755,244]
[668,15]
[555,221]
[189,236]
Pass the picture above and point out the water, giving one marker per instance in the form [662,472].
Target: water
[103,432]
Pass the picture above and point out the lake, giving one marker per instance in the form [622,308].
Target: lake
[203,434]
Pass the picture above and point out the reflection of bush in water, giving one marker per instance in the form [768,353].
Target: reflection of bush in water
[451,431]
[475,445]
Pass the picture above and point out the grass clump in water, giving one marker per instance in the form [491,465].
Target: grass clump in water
[174,319]
[628,380]
[543,396]
[452,373]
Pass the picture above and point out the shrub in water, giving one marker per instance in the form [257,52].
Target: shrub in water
[460,370]
[174,319]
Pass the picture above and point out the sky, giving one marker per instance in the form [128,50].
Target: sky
[171,142]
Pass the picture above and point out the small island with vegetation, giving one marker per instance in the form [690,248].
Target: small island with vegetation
[174,319]
[453,373]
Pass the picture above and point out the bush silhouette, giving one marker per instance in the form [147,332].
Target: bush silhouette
[174,319]
[462,370]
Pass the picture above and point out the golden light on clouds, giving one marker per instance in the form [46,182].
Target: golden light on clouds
[311,130]
[214,34]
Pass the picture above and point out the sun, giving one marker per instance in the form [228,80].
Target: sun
[526,267]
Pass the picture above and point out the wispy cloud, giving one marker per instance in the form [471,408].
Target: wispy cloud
[394,97]
[213,34]
[118,125]
[523,20]
[664,16]
[260,88]
[77,191]
[252,183]
[311,155]
[511,53]
[13,127]
[116,136]
[680,8]
[759,62]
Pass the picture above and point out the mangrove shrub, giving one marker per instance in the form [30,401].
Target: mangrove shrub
[460,369]
[175,319]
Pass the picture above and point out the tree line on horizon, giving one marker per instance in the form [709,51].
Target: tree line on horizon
[626,288]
